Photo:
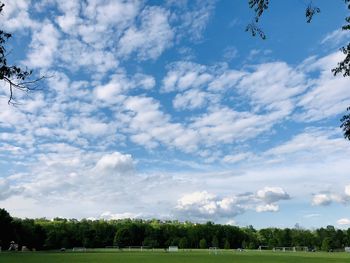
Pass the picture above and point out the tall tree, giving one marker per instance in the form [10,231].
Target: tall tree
[6,228]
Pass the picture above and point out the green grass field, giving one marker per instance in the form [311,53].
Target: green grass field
[178,257]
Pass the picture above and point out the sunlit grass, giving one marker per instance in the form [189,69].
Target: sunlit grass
[197,256]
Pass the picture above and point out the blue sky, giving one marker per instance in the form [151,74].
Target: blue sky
[168,109]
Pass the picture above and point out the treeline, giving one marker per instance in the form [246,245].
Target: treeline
[43,234]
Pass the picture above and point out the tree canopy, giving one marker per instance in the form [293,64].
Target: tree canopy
[43,234]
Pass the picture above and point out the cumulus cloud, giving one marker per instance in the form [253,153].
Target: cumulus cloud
[325,199]
[115,162]
[321,199]
[343,221]
[185,75]
[45,42]
[119,85]
[328,197]
[272,194]
[65,171]
[203,206]
[75,54]
[191,99]
[151,126]
[151,38]
[17,16]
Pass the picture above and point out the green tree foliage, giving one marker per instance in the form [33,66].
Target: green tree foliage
[122,237]
[227,244]
[326,244]
[150,242]
[203,243]
[346,124]
[344,66]
[54,234]
[6,228]
[215,242]
[183,243]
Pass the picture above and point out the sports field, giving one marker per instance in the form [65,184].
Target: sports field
[178,257]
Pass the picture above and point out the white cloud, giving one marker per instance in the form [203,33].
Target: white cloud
[312,215]
[343,221]
[185,75]
[112,90]
[312,144]
[272,194]
[119,85]
[74,54]
[43,47]
[97,23]
[267,208]
[70,17]
[16,15]
[321,199]
[335,38]
[224,125]
[191,99]
[347,190]
[326,198]
[144,81]
[226,80]
[7,190]
[203,206]
[192,19]
[92,126]
[64,172]
[230,53]
[236,157]
[272,86]
[151,38]
[328,95]
[115,162]
[150,125]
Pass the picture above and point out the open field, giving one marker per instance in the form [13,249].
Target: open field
[179,257]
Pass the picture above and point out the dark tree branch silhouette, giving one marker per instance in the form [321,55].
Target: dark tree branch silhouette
[346,124]
[343,67]
[13,76]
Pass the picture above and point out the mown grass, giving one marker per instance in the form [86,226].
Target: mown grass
[179,257]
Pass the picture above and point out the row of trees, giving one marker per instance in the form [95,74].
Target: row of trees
[44,234]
